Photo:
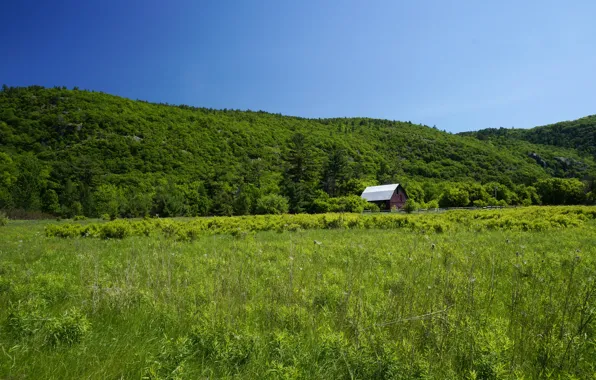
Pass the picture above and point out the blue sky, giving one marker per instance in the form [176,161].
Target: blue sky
[459,65]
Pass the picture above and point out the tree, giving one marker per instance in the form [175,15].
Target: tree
[415,192]
[196,199]
[336,172]
[30,183]
[559,191]
[454,197]
[8,176]
[272,204]
[51,204]
[168,200]
[410,206]
[301,173]
[222,194]
[108,200]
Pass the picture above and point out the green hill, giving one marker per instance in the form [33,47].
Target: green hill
[578,134]
[79,152]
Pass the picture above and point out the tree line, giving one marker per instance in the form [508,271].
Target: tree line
[72,152]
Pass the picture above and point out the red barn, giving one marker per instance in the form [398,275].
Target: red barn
[387,197]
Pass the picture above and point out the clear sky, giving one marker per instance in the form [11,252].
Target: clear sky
[459,65]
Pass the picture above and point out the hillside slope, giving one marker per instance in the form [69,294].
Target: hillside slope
[64,148]
[578,134]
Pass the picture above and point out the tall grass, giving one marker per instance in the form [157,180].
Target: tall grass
[337,303]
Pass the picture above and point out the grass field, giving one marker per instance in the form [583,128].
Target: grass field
[478,295]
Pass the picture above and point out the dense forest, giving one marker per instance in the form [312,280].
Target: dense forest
[71,152]
[577,134]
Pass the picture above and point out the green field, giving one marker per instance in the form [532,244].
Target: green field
[462,294]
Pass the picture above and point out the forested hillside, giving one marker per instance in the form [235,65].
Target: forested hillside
[71,152]
[578,134]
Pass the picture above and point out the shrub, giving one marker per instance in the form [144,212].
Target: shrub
[454,197]
[411,206]
[433,204]
[77,209]
[351,203]
[3,219]
[321,206]
[115,230]
[272,204]
[371,207]
[64,231]
[480,203]
[243,226]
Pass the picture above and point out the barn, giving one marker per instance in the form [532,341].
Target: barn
[387,197]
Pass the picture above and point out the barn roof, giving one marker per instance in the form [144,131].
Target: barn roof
[379,193]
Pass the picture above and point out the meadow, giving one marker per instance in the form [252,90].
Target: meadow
[500,294]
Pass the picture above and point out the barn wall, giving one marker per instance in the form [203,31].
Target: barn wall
[398,199]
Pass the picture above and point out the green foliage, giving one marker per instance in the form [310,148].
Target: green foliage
[272,204]
[415,192]
[51,202]
[434,204]
[371,207]
[132,158]
[29,320]
[454,197]
[558,191]
[108,199]
[3,219]
[578,134]
[591,197]
[410,206]
[515,219]
[68,329]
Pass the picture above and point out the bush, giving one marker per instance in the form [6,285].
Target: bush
[433,204]
[321,206]
[241,226]
[371,207]
[115,230]
[351,203]
[454,197]
[3,219]
[77,209]
[411,206]
[480,203]
[272,204]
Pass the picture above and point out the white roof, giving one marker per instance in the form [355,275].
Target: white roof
[379,193]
